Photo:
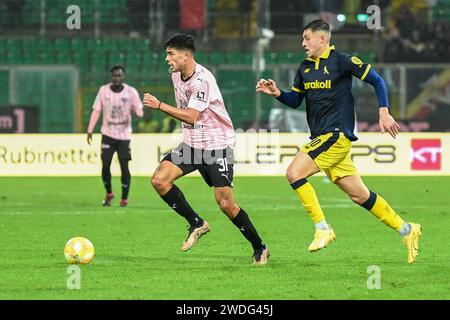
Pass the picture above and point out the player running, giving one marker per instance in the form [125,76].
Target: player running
[325,79]
[117,100]
[208,141]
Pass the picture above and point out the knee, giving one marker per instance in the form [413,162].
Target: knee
[292,175]
[358,198]
[124,165]
[226,206]
[159,183]
[106,165]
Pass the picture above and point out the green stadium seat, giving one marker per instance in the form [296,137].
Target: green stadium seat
[201,57]
[44,45]
[134,58]
[217,58]
[299,56]
[109,44]
[45,58]
[125,44]
[13,55]
[61,45]
[99,75]
[285,57]
[28,44]
[62,58]
[13,43]
[247,58]
[142,44]
[53,18]
[4,83]
[117,58]
[13,58]
[77,44]
[271,57]
[99,57]
[31,11]
[155,58]
[30,58]
[149,63]
[368,57]
[94,44]
[234,58]
[97,67]
[119,18]
[80,58]
[133,71]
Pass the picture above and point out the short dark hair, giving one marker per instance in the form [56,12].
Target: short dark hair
[181,41]
[318,25]
[117,67]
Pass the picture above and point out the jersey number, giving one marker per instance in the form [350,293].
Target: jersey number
[223,164]
[201,95]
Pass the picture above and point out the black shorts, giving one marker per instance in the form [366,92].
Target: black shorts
[110,145]
[215,166]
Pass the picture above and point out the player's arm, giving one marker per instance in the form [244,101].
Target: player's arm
[292,99]
[188,115]
[139,112]
[387,122]
[365,72]
[137,104]
[95,115]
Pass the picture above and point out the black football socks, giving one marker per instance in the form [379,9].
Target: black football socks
[106,177]
[242,221]
[125,179]
[176,200]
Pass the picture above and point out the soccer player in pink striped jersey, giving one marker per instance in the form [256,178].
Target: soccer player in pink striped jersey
[117,100]
[208,142]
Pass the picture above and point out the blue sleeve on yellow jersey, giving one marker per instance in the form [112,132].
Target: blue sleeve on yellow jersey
[364,71]
[380,87]
[292,99]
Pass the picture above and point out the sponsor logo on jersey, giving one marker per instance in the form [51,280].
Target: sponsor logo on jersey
[317,85]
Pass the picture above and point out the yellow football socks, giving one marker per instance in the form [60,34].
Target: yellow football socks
[308,198]
[383,211]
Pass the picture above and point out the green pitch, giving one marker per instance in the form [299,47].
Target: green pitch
[138,248]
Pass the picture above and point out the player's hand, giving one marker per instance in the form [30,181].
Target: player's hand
[151,101]
[268,87]
[387,123]
[89,138]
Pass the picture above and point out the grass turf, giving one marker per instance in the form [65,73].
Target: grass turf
[138,248]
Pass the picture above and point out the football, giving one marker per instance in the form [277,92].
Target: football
[79,250]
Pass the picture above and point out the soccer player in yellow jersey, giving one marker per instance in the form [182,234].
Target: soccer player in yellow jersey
[324,78]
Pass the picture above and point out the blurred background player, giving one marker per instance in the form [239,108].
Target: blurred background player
[117,100]
[325,79]
[208,136]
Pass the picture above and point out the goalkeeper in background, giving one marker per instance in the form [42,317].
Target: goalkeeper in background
[324,78]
